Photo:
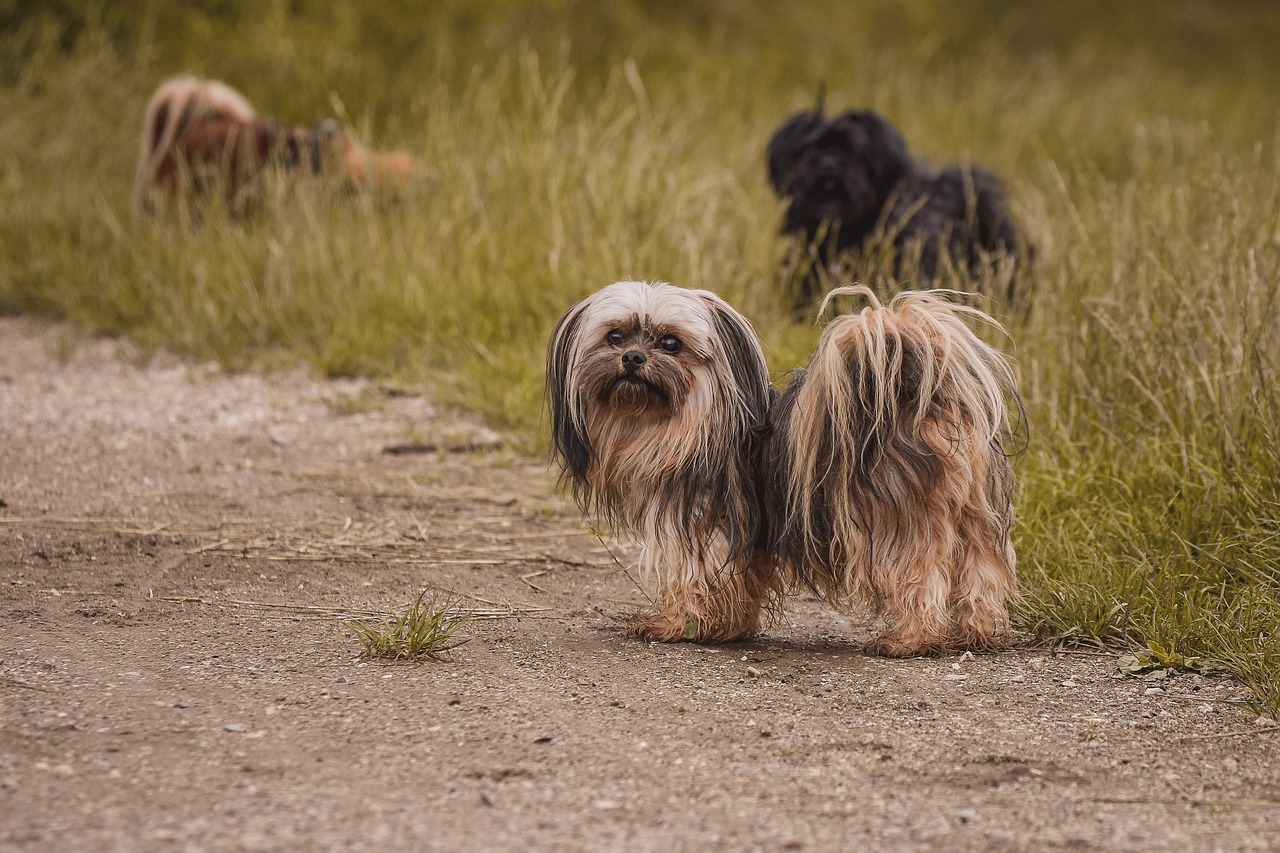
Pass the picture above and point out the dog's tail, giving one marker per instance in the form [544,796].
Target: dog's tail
[903,413]
[178,104]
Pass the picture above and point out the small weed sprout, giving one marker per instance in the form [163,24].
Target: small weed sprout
[424,630]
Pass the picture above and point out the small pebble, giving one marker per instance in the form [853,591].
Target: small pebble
[1154,691]
[1068,683]
[753,672]
[1230,765]
[235,727]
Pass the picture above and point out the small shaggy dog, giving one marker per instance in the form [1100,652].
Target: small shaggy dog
[198,134]
[879,476]
[849,180]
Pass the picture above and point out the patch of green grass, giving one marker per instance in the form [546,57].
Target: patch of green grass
[426,629]
[580,143]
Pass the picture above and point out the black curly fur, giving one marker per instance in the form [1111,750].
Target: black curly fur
[850,178]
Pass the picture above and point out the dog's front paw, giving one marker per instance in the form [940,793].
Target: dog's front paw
[985,629]
[900,647]
[663,627]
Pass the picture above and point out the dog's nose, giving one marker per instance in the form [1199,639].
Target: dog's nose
[633,360]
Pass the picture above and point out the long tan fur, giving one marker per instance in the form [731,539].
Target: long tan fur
[177,105]
[898,485]
[878,477]
[662,461]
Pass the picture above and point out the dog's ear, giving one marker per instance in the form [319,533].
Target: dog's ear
[788,145]
[568,423]
[880,143]
[743,357]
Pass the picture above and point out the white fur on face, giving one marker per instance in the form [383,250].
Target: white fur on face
[657,305]
[716,388]
[654,306]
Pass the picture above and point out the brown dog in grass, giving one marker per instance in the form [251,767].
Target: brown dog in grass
[202,134]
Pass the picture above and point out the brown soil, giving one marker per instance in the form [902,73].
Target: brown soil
[178,548]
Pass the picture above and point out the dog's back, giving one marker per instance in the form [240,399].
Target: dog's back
[960,210]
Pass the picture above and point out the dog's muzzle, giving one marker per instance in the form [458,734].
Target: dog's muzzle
[633,360]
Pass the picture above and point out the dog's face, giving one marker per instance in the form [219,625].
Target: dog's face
[637,358]
[837,173]
[642,356]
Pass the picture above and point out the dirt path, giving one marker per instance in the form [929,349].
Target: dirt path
[175,543]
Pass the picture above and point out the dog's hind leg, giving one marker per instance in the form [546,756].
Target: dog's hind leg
[984,582]
[986,577]
[914,581]
[912,589]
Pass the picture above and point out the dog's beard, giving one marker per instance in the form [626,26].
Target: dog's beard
[633,395]
[650,395]
[647,433]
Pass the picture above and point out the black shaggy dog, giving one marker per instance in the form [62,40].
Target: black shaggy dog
[850,181]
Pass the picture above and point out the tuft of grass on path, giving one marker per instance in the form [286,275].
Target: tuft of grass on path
[425,629]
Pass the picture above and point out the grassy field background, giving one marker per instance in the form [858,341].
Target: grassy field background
[583,142]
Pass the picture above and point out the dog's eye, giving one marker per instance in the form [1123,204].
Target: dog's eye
[615,338]
[671,344]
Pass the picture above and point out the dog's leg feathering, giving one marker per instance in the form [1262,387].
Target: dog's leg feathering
[701,595]
[986,576]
